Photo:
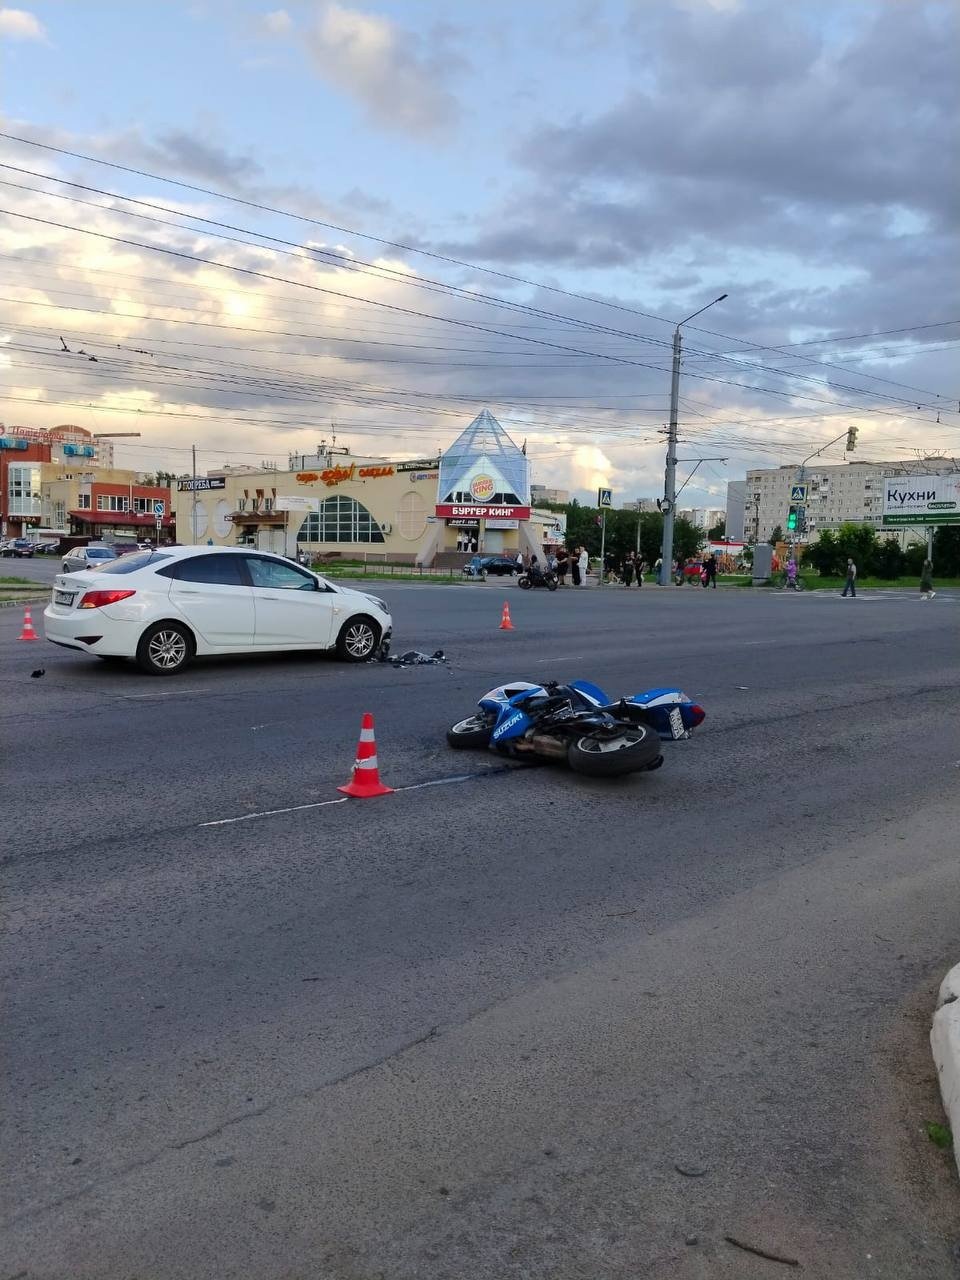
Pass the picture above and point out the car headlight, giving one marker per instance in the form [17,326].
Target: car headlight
[381,604]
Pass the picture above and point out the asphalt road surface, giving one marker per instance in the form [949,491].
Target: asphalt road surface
[521,1024]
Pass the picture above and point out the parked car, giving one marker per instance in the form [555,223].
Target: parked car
[498,566]
[164,608]
[20,548]
[93,556]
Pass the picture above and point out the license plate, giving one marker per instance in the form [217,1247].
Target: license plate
[63,597]
[677,727]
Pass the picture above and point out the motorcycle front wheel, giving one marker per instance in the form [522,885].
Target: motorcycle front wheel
[605,755]
[524,581]
[473,732]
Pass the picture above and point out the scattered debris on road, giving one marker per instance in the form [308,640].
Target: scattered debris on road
[414,658]
[762,1253]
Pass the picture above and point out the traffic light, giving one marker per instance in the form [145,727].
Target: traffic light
[792,520]
[852,433]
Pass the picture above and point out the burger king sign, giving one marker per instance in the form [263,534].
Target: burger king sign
[481,488]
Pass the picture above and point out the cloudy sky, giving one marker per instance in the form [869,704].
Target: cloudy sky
[378,218]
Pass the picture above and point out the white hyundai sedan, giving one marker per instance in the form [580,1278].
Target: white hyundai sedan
[166,607]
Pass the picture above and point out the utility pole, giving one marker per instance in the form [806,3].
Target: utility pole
[193,495]
[668,506]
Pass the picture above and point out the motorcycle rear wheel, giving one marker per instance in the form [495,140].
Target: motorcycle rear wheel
[602,755]
[552,584]
[474,731]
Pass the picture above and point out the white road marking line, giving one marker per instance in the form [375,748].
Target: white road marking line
[270,813]
[322,804]
[161,693]
[571,657]
[439,782]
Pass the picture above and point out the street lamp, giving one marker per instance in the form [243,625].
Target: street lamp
[668,505]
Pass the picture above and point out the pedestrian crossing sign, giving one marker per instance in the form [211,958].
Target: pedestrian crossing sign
[798,493]
[604,497]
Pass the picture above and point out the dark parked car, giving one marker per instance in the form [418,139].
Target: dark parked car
[22,548]
[499,566]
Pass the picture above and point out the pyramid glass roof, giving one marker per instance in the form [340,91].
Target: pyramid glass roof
[485,440]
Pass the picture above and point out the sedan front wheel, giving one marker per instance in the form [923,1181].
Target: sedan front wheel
[358,640]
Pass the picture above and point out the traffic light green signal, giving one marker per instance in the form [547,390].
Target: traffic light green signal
[792,520]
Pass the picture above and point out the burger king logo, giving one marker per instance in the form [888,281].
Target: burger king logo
[481,488]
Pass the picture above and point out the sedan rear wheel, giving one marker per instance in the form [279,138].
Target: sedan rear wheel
[164,649]
[358,640]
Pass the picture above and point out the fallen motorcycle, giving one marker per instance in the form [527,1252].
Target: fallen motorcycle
[578,723]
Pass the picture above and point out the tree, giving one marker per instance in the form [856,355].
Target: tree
[777,535]
[946,551]
[718,532]
[824,555]
[888,559]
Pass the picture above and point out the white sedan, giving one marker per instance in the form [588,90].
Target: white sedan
[165,607]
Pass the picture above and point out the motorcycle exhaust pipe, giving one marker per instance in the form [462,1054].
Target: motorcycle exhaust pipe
[546,745]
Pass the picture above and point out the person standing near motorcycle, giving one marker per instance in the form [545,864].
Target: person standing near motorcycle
[575,566]
[710,571]
[627,570]
[563,564]
[584,565]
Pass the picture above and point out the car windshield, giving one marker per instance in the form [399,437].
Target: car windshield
[137,560]
[100,553]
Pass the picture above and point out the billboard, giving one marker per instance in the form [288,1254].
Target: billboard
[920,500]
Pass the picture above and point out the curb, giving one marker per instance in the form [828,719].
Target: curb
[945,1043]
[27,601]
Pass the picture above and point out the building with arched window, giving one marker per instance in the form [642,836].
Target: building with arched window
[474,497]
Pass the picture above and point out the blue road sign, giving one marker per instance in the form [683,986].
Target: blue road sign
[798,493]
[604,497]
[159,507]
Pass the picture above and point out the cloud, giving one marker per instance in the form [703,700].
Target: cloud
[18,24]
[398,77]
[276,23]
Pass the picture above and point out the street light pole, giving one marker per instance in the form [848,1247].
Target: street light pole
[670,475]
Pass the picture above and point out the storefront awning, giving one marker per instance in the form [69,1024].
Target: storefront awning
[137,519]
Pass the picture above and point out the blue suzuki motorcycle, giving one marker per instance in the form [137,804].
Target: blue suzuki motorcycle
[578,723]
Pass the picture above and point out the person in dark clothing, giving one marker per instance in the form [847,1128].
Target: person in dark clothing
[627,570]
[563,564]
[710,571]
[575,568]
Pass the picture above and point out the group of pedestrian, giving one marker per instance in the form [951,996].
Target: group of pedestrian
[575,562]
[926,580]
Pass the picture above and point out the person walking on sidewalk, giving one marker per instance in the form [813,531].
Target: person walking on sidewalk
[584,565]
[926,581]
[575,566]
[627,571]
[710,571]
[850,586]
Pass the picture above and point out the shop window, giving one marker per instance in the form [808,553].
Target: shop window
[340,519]
[83,502]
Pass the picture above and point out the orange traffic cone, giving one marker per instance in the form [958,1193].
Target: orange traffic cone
[505,623]
[28,632]
[366,776]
